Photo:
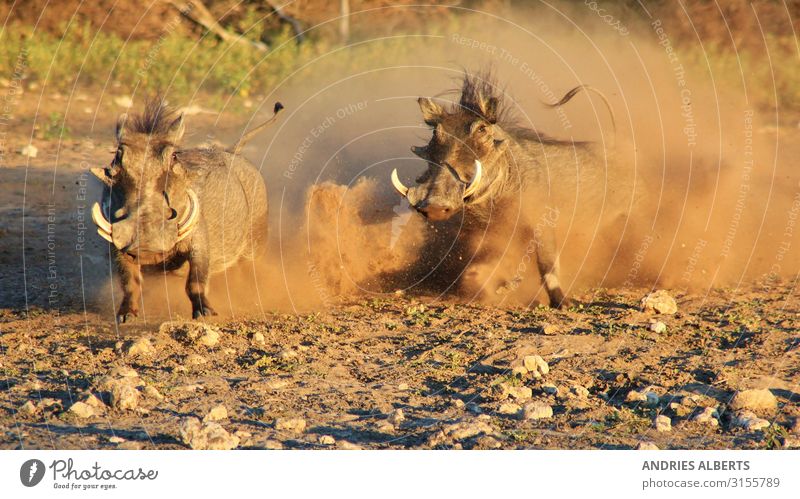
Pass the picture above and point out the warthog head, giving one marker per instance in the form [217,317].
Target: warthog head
[148,206]
[466,154]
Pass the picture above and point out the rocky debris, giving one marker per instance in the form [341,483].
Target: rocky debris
[488,442]
[659,302]
[296,425]
[123,395]
[509,409]
[759,401]
[82,410]
[549,329]
[550,389]
[345,445]
[474,408]
[679,409]
[537,410]
[790,442]
[403,387]
[217,413]
[195,360]
[326,440]
[29,151]
[116,440]
[396,417]
[579,391]
[276,384]
[130,446]
[647,446]
[386,427]
[708,415]
[258,338]
[503,391]
[662,423]
[536,365]
[461,430]
[28,409]
[658,327]
[139,346]
[206,436]
[191,333]
[749,421]
[152,392]
[650,398]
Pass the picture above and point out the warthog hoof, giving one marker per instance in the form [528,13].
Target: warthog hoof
[203,311]
[126,312]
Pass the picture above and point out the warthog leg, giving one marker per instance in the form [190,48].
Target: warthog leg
[197,283]
[131,276]
[547,261]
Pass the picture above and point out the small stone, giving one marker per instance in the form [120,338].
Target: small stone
[296,425]
[139,346]
[679,409]
[579,391]
[82,410]
[271,444]
[536,365]
[537,410]
[402,387]
[345,445]
[195,360]
[397,417]
[636,396]
[759,401]
[549,329]
[386,428]
[152,392]
[191,333]
[510,409]
[749,421]
[327,440]
[659,302]
[124,396]
[29,151]
[94,402]
[474,408]
[520,370]
[708,415]
[550,389]
[652,399]
[658,327]
[458,403]
[217,413]
[258,338]
[488,442]
[647,446]
[116,440]
[27,409]
[662,423]
[206,436]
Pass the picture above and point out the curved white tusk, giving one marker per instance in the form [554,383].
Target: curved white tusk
[105,235]
[190,220]
[99,219]
[403,190]
[472,188]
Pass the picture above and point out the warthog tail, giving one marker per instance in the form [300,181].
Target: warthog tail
[569,95]
[237,147]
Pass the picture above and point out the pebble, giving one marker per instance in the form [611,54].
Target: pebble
[195,360]
[124,396]
[658,327]
[458,403]
[647,446]
[489,442]
[152,392]
[708,415]
[139,346]
[549,329]
[537,410]
[402,387]
[116,440]
[796,426]
[759,401]
[297,425]
[662,423]
[82,410]
[345,445]
[94,402]
[649,398]
[276,384]
[397,417]
[28,408]
[217,413]
[659,302]
[536,365]
[192,333]
[29,151]
[749,421]
[258,338]
[386,428]
[550,389]
[510,409]
[327,440]
[206,436]
[520,392]
[579,391]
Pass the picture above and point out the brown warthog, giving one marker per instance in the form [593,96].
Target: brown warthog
[163,206]
[482,162]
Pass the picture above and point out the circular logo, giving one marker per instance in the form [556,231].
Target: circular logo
[31,472]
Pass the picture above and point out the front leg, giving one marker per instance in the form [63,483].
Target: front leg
[547,261]
[130,274]
[197,284]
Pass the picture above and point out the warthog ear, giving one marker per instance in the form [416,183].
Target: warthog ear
[490,110]
[431,111]
[121,126]
[176,129]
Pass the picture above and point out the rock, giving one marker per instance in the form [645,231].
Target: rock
[649,398]
[549,329]
[749,421]
[458,403]
[116,440]
[662,423]
[536,365]
[550,389]
[659,302]
[467,429]
[658,327]
[519,369]
[345,445]
[123,101]
[206,436]
[708,415]
[537,410]
[191,333]
[94,402]
[504,390]
[124,396]
[396,417]
[474,408]
[327,440]
[139,346]
[579,391]
[270,444]
[488,442]
[153,393]
[296,425]
[759,401]
[29,151]
[82,410]
[402,387]
[679,409]
[28,409]
[258,338]
[509,409]
[647,446]
[195,360]
[386,428]
[217,413]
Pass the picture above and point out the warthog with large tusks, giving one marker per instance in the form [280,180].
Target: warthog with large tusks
[481,161]
[163,206]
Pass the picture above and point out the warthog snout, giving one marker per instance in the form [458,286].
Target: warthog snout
[440,193]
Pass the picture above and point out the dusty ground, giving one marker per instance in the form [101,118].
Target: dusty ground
[400,372]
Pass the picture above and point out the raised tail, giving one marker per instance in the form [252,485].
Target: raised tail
[569,95]
[237,147]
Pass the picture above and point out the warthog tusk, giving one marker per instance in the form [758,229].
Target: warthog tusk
[472,188]
[99,219]
[403,190]
[189,221]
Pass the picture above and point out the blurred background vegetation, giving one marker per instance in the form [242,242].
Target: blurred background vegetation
[241,47]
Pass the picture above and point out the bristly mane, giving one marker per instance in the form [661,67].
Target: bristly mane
[156,118]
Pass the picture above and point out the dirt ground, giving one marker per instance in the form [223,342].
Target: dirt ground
[399,371]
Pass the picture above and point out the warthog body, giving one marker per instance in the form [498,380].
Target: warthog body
[500,174]
[164,206]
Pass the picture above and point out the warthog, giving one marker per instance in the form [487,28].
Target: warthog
[482,161]
[163,206]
